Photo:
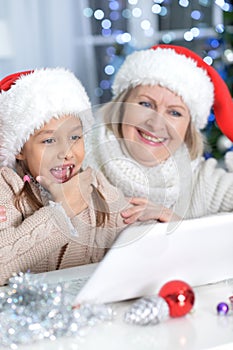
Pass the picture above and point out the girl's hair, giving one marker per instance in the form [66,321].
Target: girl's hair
[101,207]
[26,193]
[113,115]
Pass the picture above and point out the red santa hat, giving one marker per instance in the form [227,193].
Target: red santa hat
[185,73]
[30,99]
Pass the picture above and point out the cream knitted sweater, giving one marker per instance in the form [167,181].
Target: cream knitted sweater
[43,241]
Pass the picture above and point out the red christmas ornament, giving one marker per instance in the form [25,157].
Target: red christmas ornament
[179,296]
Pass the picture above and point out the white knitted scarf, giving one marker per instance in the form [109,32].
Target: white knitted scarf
[163,184]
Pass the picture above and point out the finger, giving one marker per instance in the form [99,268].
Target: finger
[167,215]
[89,169]
[138,201]
[86,177]
[87,172]
[85,187]
[132,219]
[131,211]
[162,214]
[151,216]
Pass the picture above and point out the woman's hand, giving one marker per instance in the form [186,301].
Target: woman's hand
[74,195]
[144,210]
[2,213]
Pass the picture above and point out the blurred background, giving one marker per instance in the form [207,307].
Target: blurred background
[92,38]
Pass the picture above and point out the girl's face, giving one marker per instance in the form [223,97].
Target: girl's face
[56,151]
[154,124]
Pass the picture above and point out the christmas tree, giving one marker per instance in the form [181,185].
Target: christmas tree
[204,26]
[216,143]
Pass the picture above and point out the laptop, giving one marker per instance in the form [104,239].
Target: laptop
[144,257]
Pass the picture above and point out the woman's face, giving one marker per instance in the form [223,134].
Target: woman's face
[56,151]
[154,124]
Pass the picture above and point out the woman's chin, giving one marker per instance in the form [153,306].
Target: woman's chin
[150,160]
[145,161]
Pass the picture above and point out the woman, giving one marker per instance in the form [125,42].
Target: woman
[147,140]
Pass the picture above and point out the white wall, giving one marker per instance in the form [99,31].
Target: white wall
[46,33]
[50,33]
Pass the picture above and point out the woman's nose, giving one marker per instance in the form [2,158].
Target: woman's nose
[156,120]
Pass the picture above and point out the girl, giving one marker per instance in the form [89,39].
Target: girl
[58,215]
[147,140]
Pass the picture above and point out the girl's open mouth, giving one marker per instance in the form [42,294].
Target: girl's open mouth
[62,173]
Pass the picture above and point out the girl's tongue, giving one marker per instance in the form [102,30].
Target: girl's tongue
[63,173]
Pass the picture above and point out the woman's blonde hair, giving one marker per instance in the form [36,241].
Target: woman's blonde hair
[113,112]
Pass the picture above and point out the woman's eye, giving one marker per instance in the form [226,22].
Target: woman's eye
[175,113]
[49,141]
[146,104]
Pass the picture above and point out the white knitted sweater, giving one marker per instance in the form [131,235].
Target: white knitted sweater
[191,188]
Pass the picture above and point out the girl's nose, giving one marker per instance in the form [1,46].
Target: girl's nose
[65,152]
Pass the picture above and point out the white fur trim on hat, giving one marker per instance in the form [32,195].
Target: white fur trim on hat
[32,101]
[174,71]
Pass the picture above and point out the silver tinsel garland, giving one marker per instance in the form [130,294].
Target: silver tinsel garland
[31,310]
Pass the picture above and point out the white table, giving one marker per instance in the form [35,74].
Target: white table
[199,330]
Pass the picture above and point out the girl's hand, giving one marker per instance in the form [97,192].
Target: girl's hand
[2,214]
[144,210]
[74,195]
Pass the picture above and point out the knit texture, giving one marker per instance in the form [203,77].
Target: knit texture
[43,241]
[191,189]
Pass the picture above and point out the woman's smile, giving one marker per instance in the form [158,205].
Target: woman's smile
[154,124]
[152,140]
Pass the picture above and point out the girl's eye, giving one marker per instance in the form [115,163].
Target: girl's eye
[75,137]
[146,104]
[49,141]
[174,113]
